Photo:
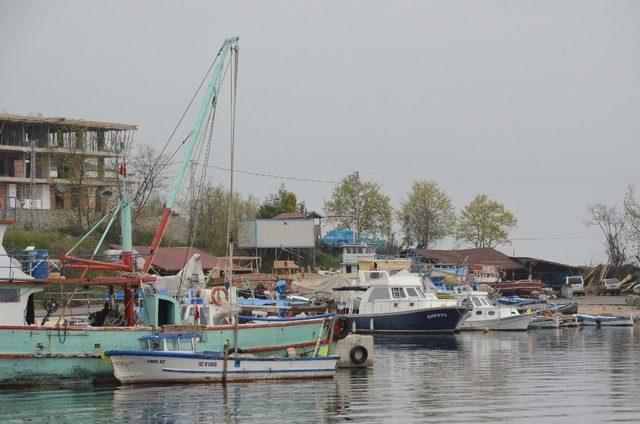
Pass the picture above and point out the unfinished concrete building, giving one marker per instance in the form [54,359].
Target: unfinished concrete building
[58,163]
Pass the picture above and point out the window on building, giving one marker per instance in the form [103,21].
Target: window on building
[379,293]
[398,293]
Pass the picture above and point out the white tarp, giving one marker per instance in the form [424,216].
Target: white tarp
[190,277]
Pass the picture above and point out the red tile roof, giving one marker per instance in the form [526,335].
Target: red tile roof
[173,259]
[297,215]
[480,256]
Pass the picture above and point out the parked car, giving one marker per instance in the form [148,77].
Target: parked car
[608,286]
[576,283]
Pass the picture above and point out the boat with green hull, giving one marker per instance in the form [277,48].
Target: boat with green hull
[43,354]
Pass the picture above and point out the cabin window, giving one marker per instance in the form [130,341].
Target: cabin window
[484,301]
[144,344]
[173,344]
[398,293]
[476,302]
[411,292]
[421,293]
[492,312]
[156,344]
[379,293]
[478,312]
[9,295]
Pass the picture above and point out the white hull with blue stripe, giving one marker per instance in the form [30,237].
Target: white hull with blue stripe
[132,367]
[603,321]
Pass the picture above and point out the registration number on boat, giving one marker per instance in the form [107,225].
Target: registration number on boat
[207,364]
[437,315]
[155,361]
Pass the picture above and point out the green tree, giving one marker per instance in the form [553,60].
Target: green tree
[427,215]
[276,203]
[485,223]
[361,206]
[212,209]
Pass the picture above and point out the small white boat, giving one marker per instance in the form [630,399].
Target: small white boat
[485,315]
[169,358]
[604,321]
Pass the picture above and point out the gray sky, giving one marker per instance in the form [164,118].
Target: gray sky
[536,103]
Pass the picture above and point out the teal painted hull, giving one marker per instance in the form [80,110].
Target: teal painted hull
[44,355]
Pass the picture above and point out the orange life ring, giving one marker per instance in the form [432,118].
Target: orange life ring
[214,295]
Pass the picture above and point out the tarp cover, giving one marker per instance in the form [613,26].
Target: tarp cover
[189,277]
[339,237]
[323,289]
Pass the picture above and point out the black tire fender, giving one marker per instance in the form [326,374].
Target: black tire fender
[359,354]
[341,328]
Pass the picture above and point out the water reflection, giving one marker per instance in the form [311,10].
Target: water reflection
[570,375]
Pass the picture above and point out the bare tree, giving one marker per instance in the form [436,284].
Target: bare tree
[148,170]
[613,226]
[632,217]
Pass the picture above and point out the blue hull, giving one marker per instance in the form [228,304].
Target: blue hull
[422,321]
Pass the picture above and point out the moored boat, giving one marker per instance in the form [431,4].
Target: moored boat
[544,322]
[175,359]
[485,315]
[604,321]
[400,304]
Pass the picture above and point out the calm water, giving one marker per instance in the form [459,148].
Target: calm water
[543,376]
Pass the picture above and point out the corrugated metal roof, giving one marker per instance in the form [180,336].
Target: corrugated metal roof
[62,121]
[173,259]
[479,256]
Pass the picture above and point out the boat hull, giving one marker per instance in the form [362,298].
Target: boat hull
[421,321]
[139,367]
[545,323]
[509,323]
[602,321]
[31,355]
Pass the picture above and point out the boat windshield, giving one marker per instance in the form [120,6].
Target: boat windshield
[398,293]
[485,301]
[476,301]
[411,292]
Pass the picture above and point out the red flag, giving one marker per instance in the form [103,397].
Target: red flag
[196,315]
[123,170]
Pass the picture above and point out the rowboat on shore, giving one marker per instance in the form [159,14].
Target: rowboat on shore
[604,321]
[174,359]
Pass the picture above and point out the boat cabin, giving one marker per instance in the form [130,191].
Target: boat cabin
[402,291]
[179,342]
[480,305]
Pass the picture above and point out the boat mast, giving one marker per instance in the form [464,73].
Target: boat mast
[230,45]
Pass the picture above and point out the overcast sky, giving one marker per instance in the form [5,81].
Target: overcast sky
[535,103]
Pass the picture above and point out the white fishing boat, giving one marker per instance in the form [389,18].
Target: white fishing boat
[484,315]
[604,321]
[168,358]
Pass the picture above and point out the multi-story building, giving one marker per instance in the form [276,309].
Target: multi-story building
[59,163]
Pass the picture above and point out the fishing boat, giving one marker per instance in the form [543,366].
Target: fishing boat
[400,304]
[604,321]
[566,308]
[518,287]
[485,315]
[524,304]
[45,352]
[175,358]
[544,322]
